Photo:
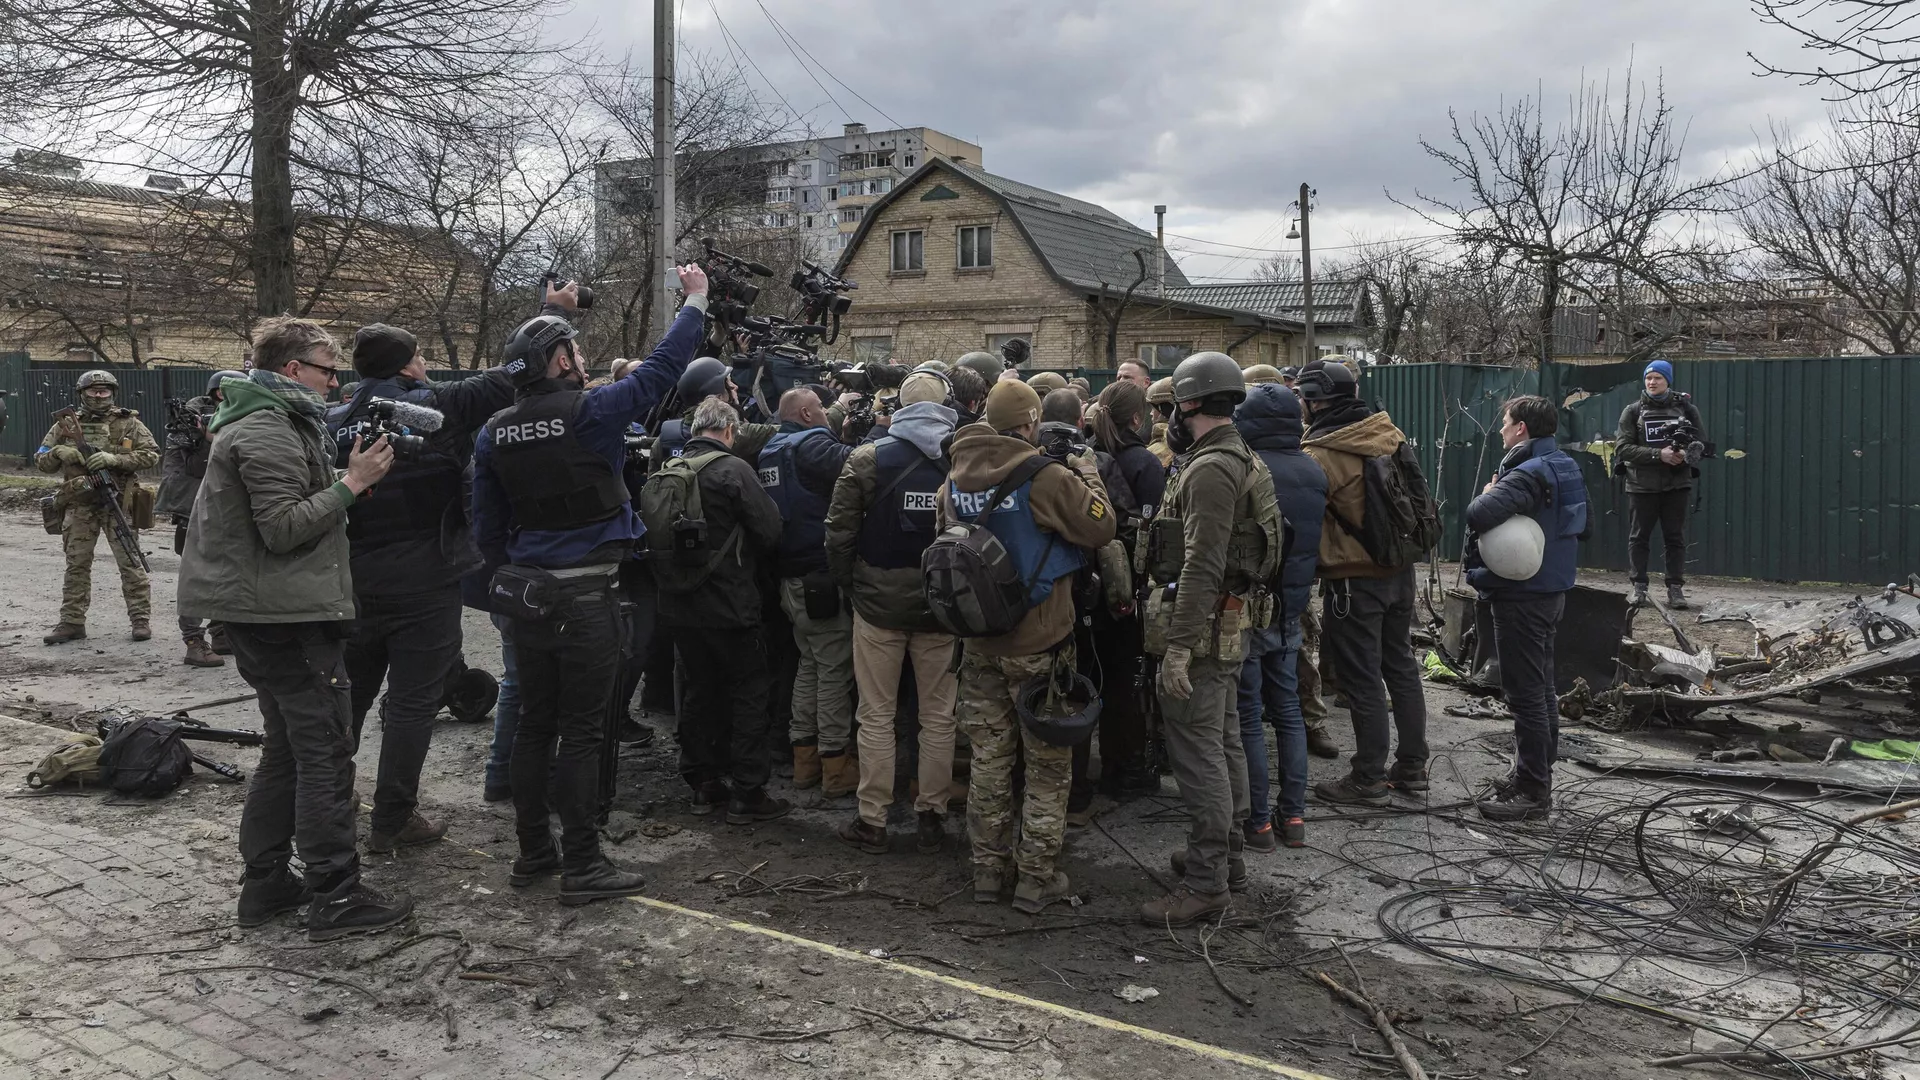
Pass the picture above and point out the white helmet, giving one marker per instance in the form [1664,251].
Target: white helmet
[1513,549]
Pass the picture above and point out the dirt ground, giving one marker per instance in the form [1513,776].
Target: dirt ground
[691,993]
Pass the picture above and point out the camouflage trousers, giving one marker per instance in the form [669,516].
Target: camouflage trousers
[81,533]
[985,709]
[1306,667]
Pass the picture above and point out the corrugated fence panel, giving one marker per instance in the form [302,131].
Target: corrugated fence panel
[13,375]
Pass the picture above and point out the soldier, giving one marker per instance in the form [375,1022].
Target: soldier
[1212,552]
[1160,400]
[183,464]
[121,445]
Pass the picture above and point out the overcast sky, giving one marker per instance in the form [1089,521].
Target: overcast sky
[1221,109]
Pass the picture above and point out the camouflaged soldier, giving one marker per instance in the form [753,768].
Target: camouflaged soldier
[122,446]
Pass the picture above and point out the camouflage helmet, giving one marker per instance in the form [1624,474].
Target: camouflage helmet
[1262,373]
[984,364]
[96,377]
[1161,392]
[1205,374]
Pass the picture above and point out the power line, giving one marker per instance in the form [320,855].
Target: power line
[1323,247]
[732,41]
[778,27]
[781,34]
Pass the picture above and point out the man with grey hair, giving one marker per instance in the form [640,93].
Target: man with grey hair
[712,612]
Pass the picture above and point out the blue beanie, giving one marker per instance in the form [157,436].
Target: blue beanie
[1665,369]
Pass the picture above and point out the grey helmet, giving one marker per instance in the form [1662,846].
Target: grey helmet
[1205,374]
[1062,713]
[213,383]
[1326,379]
[96,377]
[703,378]
[984,364]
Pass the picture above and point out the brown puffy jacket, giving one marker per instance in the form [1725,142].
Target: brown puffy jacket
[1342,454]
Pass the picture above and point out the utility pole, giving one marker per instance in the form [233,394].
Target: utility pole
[663,151]
[1160,255]
[1306,270]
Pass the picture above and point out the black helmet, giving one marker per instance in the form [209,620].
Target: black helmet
[1205,374]
[471,695]
[1045,712]
[705,377]
[530,346]
[1324,380]
[213,383]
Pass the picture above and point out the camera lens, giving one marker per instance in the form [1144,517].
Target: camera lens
[586,298]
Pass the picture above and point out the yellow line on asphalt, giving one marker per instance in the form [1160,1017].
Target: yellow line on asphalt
[1206,1050]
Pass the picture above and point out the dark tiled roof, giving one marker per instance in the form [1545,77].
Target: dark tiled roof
[1084,244]
[1334,302]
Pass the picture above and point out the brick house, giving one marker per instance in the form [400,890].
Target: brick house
[955,259]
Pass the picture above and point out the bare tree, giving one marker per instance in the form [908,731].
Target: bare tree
[1111,306]
[1845,215]
[255,87]
[1865,47]
[1590,206]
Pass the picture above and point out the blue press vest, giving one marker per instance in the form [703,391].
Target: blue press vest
[1041,556]
[673,438]
[893,536]
[803,510]
[1562,520]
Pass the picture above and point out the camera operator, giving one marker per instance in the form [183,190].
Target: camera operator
[183,464]
[554,522]
[411,544]
[705,377]
[1659,444]
[798,469]
[267,555]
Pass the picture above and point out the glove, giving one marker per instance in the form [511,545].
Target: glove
[69,454]
[1174,681]
[101,460]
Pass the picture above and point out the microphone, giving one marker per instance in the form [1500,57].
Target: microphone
[759,270]
[811,328]
[414,417]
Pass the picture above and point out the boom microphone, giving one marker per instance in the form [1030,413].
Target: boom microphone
[414,417]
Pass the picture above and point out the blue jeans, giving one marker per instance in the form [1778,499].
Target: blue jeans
[506,711]
[1269,687]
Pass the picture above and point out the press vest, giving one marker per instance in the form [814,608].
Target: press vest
[1562,519]
[897,530]
[1040,555]
[803,536]
[673,438]
[411,501]
[551,480]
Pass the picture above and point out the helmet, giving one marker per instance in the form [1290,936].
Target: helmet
[984,364]
[1262,373]
[471,695]
[1054,726]
[1205,374]
[938,366]
[96,377]
[530,346]
[1514,548]
[704,377]
[1046,382]
[1161,392]
[213,383]
[1289,372]
[1323,380]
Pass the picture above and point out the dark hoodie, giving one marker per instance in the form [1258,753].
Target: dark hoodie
[1270,422]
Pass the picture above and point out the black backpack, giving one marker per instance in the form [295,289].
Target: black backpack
[145,756]
[971,583]
[1401,522]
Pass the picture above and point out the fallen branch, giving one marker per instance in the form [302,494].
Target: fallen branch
[1408,1063]
[154,952]
[781,1035]
[348,983]
[1004,1046]
[1207,955]
[488,976]
[412,941]
[522,960]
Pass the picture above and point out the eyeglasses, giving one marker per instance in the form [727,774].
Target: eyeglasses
[333,373]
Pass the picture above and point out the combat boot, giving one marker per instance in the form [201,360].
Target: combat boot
[142,630]
[1677,598]
[354,908]
[65,632]
[1639,596]
[269,894]
[1032,895]
[600,881]
[417,830]
[988,886]
[198,655]
[1236,869]
[839,774]
[806,766]
[1183,907]
[1319,743]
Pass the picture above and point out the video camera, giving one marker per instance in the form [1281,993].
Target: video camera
[403,423]
[584,297]
[1685,438]
[1061,442]
[730,289]
[823,296]
[186,423]
[868,378]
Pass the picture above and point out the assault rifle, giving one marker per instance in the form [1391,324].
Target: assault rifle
[102,482]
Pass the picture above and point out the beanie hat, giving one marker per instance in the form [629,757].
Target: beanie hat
[1665,369]
[1012,404]
[1046,382]
[923,386]
[380,351]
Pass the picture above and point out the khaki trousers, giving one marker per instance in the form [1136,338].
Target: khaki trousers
[878,655]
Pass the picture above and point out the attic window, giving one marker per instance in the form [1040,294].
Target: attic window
[938,192]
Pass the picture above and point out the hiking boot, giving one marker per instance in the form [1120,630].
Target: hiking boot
[1351,792]
[1638,598]
[142,630]
[932,834]
[1080,818]
[1236,870]
[635,734]
[217,640]
[1183,907]
[261,898]
[988,886]
[867,838]
[806,767]
[528,869]
[496,793]
[755,806]
[1517,803]
[1293,833]
[64,633]
[601,881]
[418,830]
[710,796]
[839,773]
[198,655]
[354,908]
[1032,896]
[1320,744]
[1677,598]
[1408,776]
[1260,839]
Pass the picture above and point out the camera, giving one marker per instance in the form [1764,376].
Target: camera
[397,421]
[1685,438]
[1061,442]
[730,289]
[555,281]
[867,378]
[823,296]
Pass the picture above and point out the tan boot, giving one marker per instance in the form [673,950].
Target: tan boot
[142,630]
[839,774]
[198,655]
[1183,907]
[806,767]
[64,633]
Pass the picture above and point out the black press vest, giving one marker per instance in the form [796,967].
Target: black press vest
[552,481]
[900,524]
[410,503]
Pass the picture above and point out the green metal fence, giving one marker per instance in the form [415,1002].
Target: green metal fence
[1814,480]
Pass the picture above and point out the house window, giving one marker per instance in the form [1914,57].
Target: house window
[879,187]
[833,194]
[976,246]
[780,195]
[872,350]
[994,341]
[909,161]
[806,195]
[806,171]
[809,221]
[909,251]
[1165,355]
[850,214]
[884,159]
